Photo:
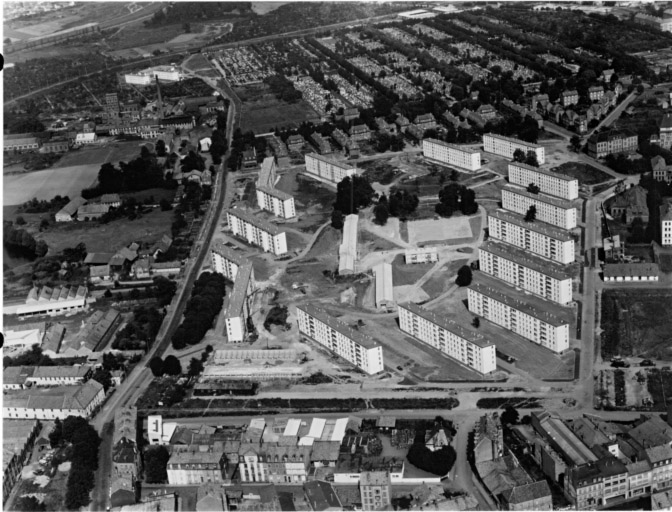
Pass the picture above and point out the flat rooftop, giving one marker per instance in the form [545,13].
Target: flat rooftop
[542,309]
[228,253]
[335,163]
[274,192]
[511,139]
[239,292]
[336,324]
[447,324]
[560,203]
[527,259]
[464,149]
[539,170]
[631,269]
[262,224]
[537,226]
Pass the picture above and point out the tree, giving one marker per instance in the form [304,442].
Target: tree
[187,28]
[575,142]
[337,219]
[509,416]
[160,148]
[195,367]
[104,377]
[438,462]
[56,434]
[41,248]
[352,194]
[531,214]
[165,205]
[464,276]
[156,460]
[476,322]
[172,366]
[30,504]
[454,175]
[519,156]
[20,221]
[532,188]
[156,365]
[381,214]
[531,159]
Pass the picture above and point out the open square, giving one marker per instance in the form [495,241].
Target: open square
[442,229]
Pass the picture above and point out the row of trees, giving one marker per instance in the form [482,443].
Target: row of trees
[19,240]
[168,366]
[84,441]
[401,203]
[454,197]
[207,298]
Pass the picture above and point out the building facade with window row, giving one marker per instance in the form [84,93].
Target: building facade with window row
[227,261]
[507,146]
[536,237]
[326,169]
[451,154]
[257,231]
[276,201]
[533,274]
[551,183]
[465,346]
[540,321]
[357,348]
[558,212]
[237,310]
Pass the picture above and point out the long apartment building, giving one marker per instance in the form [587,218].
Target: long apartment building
[357,348]
[558,212]
[227,261]
[551,183]
[540,321]
[347,251]
[238,308]
[279,203]
[666,224]
[465,346]
[507,146]
[552,281]
[451,154]
[257,231]
[326,169]
[536,237]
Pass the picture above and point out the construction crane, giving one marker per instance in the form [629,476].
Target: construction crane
[93,95]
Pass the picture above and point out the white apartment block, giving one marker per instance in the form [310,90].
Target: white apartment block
[238,308]
[515,266]
[506,146]
[467,347]
[60,375]
[551,183]
[353,346]
[558,212]
[384,285]
[227,261]
[666,224]
[257,231]
[326,169]
[536,237]
[347,251]
[421,255]
[276,201]
[451,154]
[54,402]
[538,320]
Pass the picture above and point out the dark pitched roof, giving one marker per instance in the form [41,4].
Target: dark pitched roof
[528,492]
[321,495]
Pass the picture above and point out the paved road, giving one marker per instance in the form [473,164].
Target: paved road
[614,114]
[101,489]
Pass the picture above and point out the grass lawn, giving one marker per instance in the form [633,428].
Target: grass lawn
[44,185]
[262,112]
[665,262]
[326,244]
[114,152]
[379,171]
[403,274]
[636,322]
[586,174]
[262,269]
[442,280]
[108,237]
[377,243]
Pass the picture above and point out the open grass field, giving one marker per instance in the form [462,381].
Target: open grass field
[108,237]
[441,281]
[403,274]
[115,153]
[636,322]
[66,181]
[262,112]
[134,35]
[586,174]
[442,229]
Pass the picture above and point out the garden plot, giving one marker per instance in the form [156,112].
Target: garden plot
[442,229]
[629,388]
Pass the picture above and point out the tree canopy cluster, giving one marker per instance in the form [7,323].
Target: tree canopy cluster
[85,441]
[20,240]
[207,298]
[35,206]
[140,332]
[352,194]
[178,13]
[156,461]
[454,197]
[33,357]
[169,366]
[438,462]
